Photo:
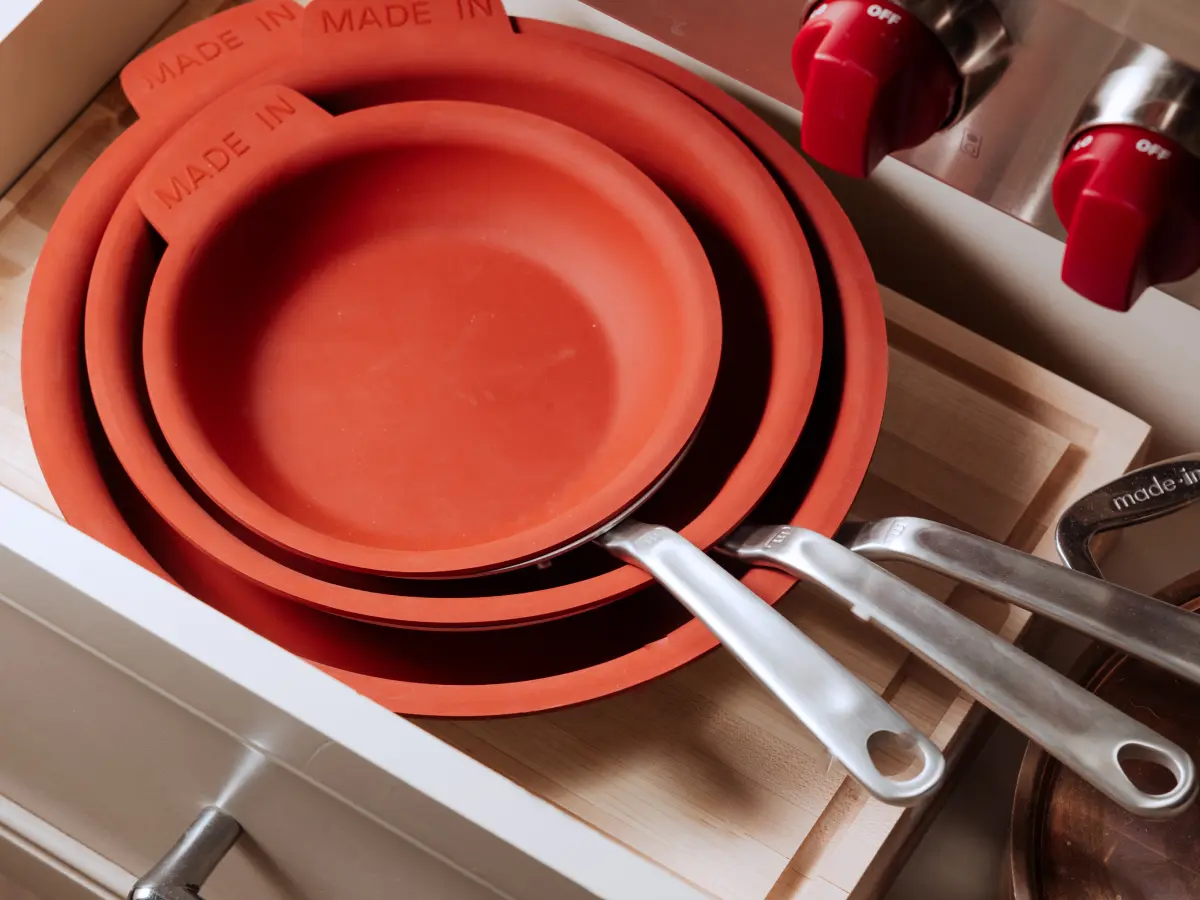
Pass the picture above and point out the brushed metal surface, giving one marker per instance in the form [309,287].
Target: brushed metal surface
[1135,623]
[1152,91]
[1140,496]
[841,711]
[182,872]
[1077,728]
[1003,152]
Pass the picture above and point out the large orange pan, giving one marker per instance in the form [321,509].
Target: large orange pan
[669,137]
[483,673]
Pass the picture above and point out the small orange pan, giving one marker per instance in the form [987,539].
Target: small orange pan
[421,339]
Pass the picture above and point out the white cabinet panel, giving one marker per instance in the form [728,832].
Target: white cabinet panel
[128,707]
[39,92]
[40,862]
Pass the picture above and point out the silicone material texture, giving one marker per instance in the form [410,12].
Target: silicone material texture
[457,673]
[423,339]
[754,244]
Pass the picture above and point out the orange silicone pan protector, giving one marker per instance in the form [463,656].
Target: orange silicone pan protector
[665,134]
[538,667]
[423,339]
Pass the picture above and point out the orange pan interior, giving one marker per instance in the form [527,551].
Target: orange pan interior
[434,338]
[613,648]
[757,241]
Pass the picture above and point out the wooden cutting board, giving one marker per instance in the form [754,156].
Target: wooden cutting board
[700,771]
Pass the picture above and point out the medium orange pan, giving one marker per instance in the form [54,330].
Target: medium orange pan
[453,673]
[667,136]
[421,339]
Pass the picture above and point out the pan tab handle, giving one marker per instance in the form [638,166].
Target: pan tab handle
[1142,495]
[1076,727]
[212,55]
[216,154]
[1144,627]
[370,30]
[840,710]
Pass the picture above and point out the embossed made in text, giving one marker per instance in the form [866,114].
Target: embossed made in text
[1158,487]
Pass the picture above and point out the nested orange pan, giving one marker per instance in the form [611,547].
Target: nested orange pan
[423,339]
[668,137]
[568,661]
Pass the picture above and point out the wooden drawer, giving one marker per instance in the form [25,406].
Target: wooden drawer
[127,706]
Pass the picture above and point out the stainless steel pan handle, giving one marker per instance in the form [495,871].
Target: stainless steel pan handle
[842,712]
[1139,496]
[1142,626]
[182,872]
[1083,732]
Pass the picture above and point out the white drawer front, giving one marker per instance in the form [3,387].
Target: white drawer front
[129,706]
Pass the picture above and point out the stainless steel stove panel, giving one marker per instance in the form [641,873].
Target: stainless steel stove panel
[1003,152]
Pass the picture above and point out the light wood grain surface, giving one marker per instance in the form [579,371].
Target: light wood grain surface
[700,771]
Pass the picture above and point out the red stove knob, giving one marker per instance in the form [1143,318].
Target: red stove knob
[875,80]
[1130,200]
